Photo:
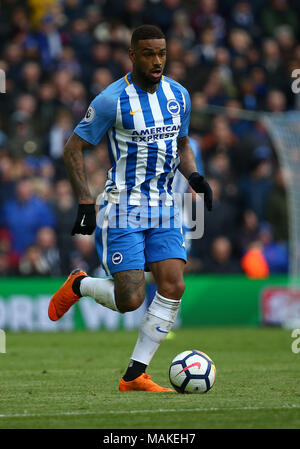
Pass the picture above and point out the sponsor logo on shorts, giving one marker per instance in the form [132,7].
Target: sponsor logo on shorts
[117,258]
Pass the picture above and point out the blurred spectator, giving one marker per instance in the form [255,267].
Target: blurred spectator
[161,13]
[275,253]
[81,40]
[9,259]
[276,101]
[181,29]
[46,242]
[220,221]
[48,105]
[207,47]
[31,75]
[200,121]
[101,79]
[242,16]
[240,42]
[7,179]
[49,42]
[67,61]
[286,39]
[85,255]
[247,233]
[222,61]
[219,167]
[207,15]
[222,140]
[276,208]
[276,13]
[65,209]
[256,187]
[221,260]
[14,57]
[32,263]
[23,140]
[59,133]
[35,214]
[133,14]
[215,89]
[273,65]
[76,102]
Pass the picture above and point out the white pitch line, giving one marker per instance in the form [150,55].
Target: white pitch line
[133,412]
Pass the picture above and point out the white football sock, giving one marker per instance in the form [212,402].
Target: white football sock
[156,324]
[101,290]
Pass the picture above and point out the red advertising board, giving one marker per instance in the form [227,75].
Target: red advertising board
[279,305]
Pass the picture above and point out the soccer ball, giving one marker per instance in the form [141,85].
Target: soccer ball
[192,372]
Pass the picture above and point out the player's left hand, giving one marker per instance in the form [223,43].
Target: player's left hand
[198,183]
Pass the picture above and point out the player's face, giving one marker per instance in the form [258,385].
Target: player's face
[149,59]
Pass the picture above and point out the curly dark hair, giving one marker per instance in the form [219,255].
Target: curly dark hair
[146,32]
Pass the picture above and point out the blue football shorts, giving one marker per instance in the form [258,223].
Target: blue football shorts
[131,239]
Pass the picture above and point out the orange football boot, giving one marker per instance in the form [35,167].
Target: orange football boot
[142,383]
[64,298]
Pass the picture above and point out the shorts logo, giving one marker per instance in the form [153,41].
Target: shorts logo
[173,107]
[117,258]
[90,114]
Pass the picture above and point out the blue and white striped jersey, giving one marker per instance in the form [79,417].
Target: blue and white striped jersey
[142,131]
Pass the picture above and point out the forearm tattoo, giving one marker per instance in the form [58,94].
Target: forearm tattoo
[74,162]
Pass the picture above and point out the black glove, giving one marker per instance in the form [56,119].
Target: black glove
[198,183]
[86,219]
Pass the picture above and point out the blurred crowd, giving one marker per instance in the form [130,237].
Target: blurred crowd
[59,54]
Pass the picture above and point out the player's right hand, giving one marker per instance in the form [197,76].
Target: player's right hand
[86,219]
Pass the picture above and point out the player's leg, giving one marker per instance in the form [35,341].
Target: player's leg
[160,316]
[168,275]
[121,252]
[166,245]
[123,294]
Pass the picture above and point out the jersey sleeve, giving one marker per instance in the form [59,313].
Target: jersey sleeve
[99,118]
[184,130]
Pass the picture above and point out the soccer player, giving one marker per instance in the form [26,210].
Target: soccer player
[145,117]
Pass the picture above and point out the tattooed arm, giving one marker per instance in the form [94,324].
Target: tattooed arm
[187,164]
[73,157]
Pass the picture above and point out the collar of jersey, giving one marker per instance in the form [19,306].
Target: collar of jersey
[128,79]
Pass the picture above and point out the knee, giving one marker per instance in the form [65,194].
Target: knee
[131,303]
[172,288]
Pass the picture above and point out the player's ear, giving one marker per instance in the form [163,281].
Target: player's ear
[131,54]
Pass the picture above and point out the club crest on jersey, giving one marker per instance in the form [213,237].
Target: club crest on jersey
[173,107]
[90,114]
[117,258]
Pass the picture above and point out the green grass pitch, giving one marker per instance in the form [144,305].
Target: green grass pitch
[70,380]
